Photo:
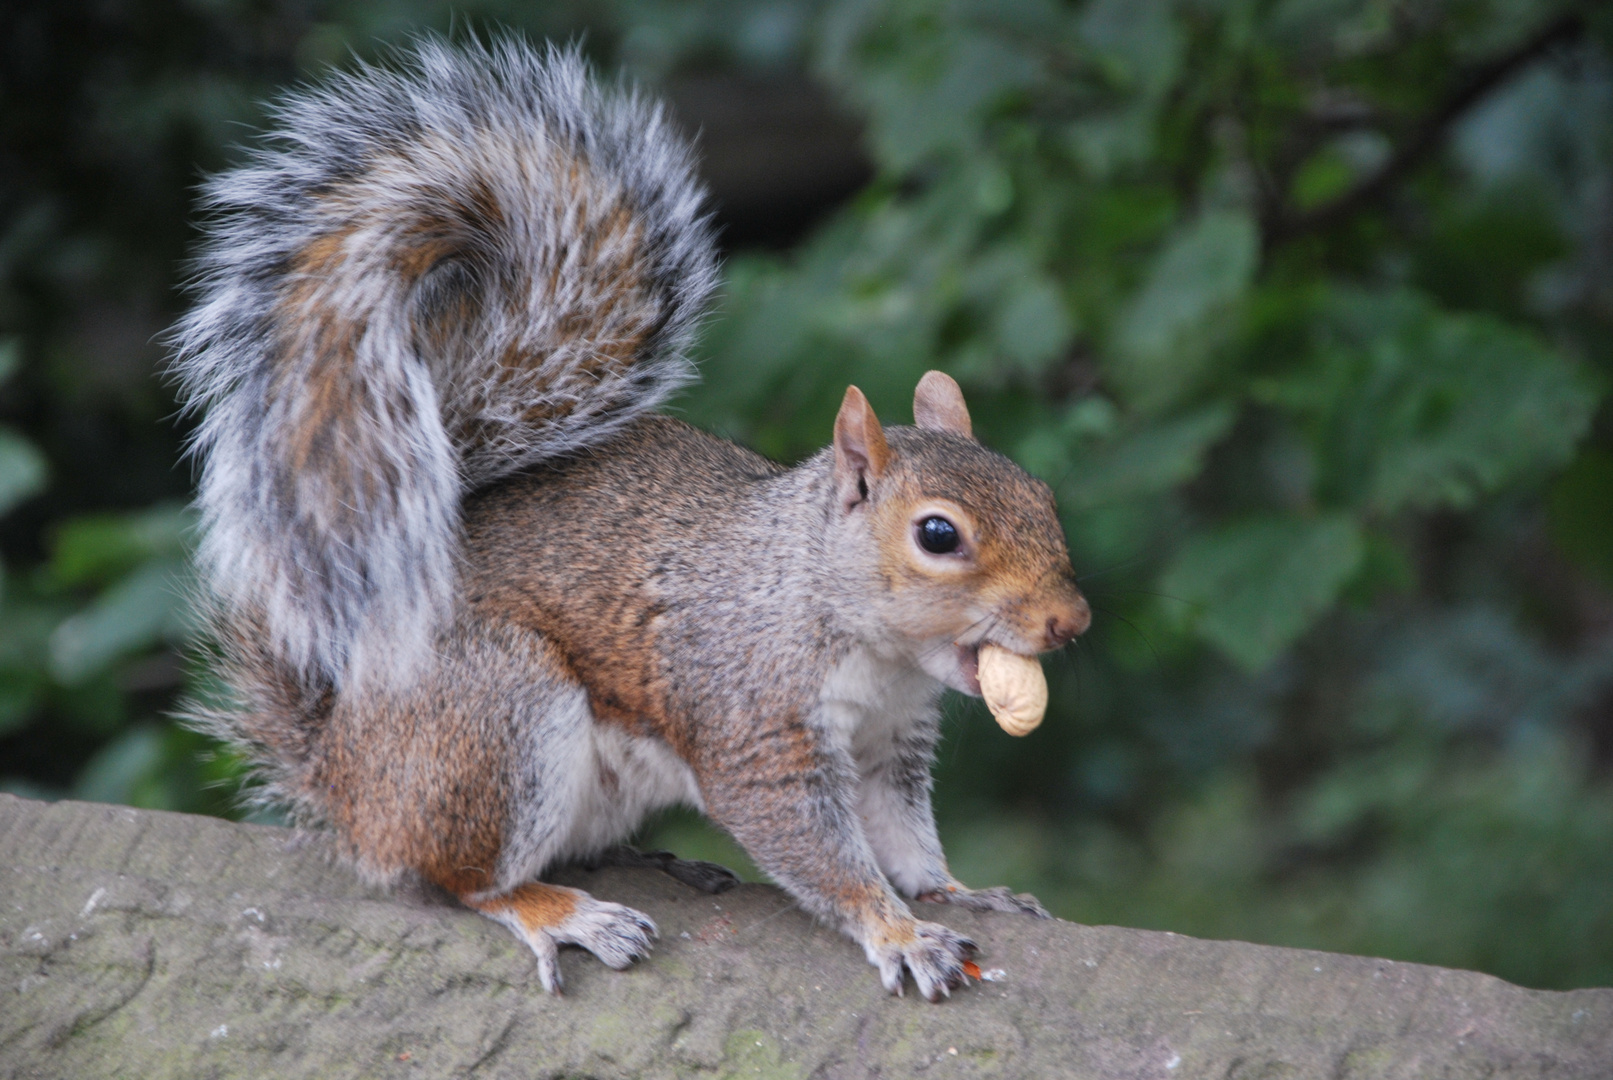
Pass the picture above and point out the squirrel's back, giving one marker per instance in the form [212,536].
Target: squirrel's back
[427,277]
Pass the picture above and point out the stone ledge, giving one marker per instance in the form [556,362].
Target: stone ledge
[151,945]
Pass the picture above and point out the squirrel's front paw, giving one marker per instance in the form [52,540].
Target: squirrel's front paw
[994,899]
[934,954]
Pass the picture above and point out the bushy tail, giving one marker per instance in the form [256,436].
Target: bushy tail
[426,278]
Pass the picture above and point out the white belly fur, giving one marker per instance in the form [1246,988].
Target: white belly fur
[587,786]
[631,777]
[871,696]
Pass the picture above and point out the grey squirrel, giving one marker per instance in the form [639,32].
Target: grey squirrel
[481,610]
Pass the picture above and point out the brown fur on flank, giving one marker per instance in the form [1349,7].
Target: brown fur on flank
[482,611]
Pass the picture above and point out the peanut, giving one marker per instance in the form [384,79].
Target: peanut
[1014,688]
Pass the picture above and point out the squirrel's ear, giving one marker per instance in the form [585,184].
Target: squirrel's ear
[861,453]
[938,405]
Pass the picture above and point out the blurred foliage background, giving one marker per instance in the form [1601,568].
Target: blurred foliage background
[1304,307]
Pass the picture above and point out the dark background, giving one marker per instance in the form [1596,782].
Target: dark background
[1305,308]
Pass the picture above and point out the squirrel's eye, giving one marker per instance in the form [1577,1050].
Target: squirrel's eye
[938,536]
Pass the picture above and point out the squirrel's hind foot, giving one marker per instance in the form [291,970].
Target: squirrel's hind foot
[708,877]
[548,916]
[994,899]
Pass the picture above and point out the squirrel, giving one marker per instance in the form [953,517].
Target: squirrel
[480,609]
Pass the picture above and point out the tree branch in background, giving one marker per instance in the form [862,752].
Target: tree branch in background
[1429,134]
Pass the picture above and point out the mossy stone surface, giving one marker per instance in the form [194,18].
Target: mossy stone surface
[150,945]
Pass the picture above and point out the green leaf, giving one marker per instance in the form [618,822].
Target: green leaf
[20,694]
[1580,511]
[24,630]
[1251,588]
[1408,406]
[100,547]
[1167,331]
[1154,458]
[113,774]
[10,357]
[1106,143]
[22,470]
[1033,328]
[1139,40]
[143,610]
[934,99]
[1325,176]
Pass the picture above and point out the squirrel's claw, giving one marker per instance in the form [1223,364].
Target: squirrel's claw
[935,956]
[614,933]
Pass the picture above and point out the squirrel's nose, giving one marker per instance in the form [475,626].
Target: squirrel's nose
[1065,625]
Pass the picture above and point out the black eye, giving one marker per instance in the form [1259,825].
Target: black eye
[938,536]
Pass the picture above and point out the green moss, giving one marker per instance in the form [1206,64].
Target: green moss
[754,1055]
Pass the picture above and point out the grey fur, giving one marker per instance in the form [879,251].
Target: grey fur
[401,236]
[436,277]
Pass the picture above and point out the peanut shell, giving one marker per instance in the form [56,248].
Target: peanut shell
[1014,688]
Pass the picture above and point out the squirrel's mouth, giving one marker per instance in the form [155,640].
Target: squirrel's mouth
[969,668]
